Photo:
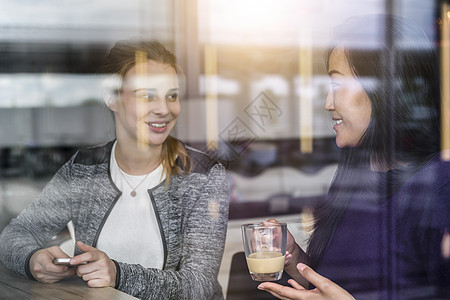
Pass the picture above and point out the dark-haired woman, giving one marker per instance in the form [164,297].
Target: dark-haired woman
[149,213]
[383,231]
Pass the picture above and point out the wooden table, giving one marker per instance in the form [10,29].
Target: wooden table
[15,286]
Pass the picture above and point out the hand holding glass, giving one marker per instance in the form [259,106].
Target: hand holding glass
[265,249]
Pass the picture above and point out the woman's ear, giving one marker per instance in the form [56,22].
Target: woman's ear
[110,99]
[111,85]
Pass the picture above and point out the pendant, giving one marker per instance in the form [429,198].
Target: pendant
[133,193]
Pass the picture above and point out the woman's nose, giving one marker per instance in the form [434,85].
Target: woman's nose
[160,107]
[329,103]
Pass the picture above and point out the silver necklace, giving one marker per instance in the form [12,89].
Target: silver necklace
[133,189]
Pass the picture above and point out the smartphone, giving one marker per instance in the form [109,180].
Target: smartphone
[65,262]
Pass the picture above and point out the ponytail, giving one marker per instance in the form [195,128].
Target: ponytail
[173,150]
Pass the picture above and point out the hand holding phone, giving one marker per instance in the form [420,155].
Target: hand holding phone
[66,262]
[44,270]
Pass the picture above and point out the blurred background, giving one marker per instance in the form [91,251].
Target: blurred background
[256,86]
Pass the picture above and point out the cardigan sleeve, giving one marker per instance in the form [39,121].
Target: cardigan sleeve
[203,241]
[34,227]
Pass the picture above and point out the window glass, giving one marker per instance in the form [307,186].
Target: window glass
[255,95]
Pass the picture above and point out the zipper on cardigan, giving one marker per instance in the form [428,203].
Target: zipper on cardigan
[97,234]
[107,153]
[163,237]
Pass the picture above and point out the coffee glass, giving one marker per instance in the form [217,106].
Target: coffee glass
[265,249]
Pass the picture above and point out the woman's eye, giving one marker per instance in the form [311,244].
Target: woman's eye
[147,96]
[334,85]
[172,97]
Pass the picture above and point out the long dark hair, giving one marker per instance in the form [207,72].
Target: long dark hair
[399,71]
[120,60]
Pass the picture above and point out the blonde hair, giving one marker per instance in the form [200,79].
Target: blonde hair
[119,61]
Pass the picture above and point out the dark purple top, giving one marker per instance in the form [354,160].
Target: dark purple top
[393,249]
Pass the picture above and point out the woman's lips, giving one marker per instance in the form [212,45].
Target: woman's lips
[157,127]
[338,122]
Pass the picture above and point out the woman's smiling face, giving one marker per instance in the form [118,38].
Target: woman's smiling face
[149,104]
[347,101]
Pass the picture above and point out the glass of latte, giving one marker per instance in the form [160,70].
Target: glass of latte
[265,248]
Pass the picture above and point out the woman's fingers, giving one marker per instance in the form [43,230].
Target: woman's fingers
[87,269]
[90,254]
[57,252]
[89,274]
[43,269]
[278,296]
[326,288]
[271,221]
[99,271]
[85,248]
[287,258]
[313,277]
[282,292]
[95,282]
[295,284]
[51,277]
[84,258]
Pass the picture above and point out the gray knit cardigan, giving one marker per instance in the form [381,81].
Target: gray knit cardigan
[192,214]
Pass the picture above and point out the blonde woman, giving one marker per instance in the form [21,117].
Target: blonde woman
[150,214]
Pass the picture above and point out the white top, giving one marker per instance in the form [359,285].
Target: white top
[131,232]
